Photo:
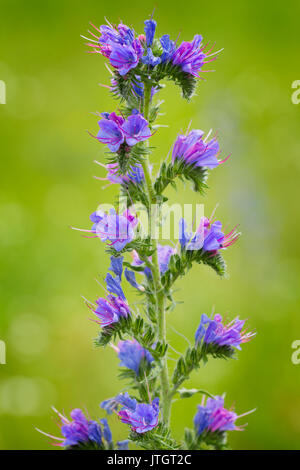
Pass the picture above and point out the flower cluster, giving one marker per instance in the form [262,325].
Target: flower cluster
[138,333]
[126,52]
[214,331]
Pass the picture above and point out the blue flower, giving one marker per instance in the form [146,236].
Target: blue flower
[150,59]
[123,445]
[130,277]
[131,353]
[95,432]
[116,265]
[106,431]
[125,400]
[136,174]
[150,26]
[114,286]
[168,47]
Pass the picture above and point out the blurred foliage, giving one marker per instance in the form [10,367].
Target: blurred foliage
[46,186]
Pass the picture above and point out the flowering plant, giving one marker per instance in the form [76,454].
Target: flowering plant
[139,65]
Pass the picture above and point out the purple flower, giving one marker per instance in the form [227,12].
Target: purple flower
[111,309]
[131,353]
[114,130]
[125,58]
[192,150]
[214,331]
[208,236]
[119,45]
[110,134]
[115,228]
[215,239]
[136,129]
[213,417]
[190,56]
[78,430]
[111,35]
[150,26]
[141,417]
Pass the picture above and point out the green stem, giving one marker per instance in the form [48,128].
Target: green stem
[160,298]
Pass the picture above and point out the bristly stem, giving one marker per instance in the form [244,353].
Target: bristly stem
[160,298]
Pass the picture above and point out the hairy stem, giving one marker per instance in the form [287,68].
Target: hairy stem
[160,298]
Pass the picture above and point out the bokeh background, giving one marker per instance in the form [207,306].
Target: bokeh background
[47,185]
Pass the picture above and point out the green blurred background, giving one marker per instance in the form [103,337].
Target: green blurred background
[47,185]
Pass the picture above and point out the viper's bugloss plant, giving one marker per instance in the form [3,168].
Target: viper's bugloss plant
[138,65]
